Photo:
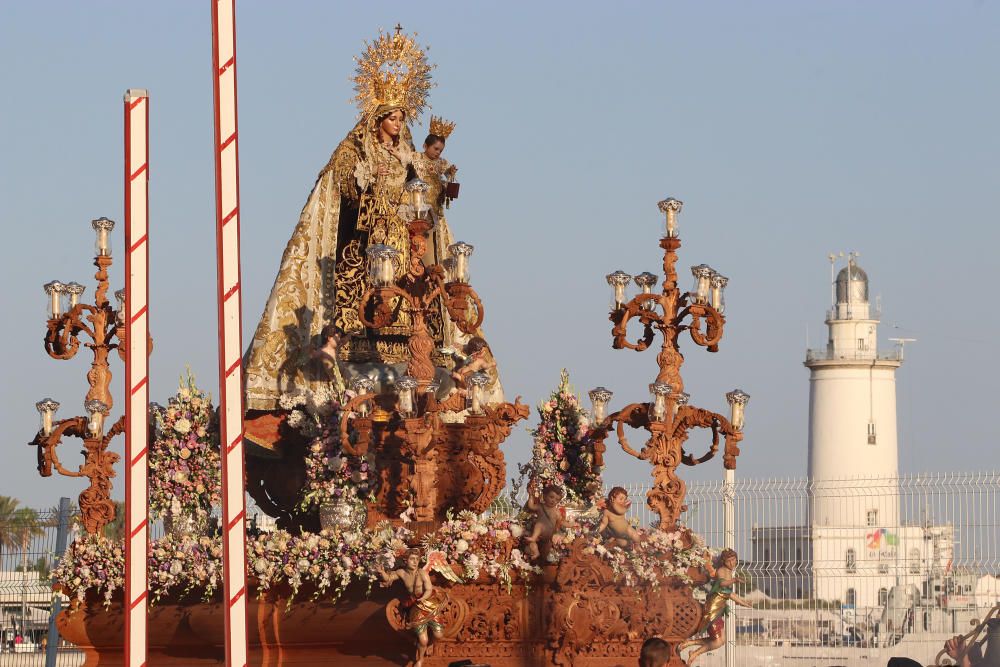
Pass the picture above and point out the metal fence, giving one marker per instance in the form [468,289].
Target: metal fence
[852,571]
[840,572]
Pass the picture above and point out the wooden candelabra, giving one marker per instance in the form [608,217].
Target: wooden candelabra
[667,417]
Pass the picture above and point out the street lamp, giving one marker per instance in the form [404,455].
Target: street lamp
[659,392]
[671,207]
[738,400]
[460,253]
[668,416]
[55,291]
[599,397]
[47,408]
[102,245]
[618,280]
[381,264]
[98,327]
[417,191]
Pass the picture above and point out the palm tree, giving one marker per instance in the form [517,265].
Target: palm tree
[25,527]
[8,506]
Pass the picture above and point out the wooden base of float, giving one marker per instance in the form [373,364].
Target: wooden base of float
[575,614]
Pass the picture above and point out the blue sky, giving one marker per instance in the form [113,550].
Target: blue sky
[789,129]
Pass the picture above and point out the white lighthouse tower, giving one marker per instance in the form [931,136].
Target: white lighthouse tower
[854,526]
[852,413]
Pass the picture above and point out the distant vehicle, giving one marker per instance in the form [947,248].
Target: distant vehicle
[27,646]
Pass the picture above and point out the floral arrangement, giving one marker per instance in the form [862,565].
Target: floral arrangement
[483,544]
[563,453]
[91,562]
[331,475]
[181,564]
[330,561]
[184,466]
[658,556]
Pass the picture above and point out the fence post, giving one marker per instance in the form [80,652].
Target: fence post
[52,642]
[729,542]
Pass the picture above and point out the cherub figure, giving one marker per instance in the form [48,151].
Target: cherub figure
[713,618]
[614,525]
[324,365]
[549,516]
[478,358]
[421,607]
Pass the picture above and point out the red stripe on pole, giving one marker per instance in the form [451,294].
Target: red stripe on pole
[142,524]
[231,292]
[139,386]
[135,603]
[233,444]
[238,595]
[236,520]
[232,369]
[231,215]
[138,243]
[231,139]
[138,172]
[229,63]
[142,311]
[138,456]
[135,103]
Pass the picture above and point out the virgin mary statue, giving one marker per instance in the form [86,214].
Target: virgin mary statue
[311,322]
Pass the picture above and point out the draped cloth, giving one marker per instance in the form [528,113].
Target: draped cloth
[323,274]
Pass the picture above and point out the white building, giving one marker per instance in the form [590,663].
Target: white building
[853,547]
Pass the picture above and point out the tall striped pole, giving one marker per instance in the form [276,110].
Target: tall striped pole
[136,371]
[227,207]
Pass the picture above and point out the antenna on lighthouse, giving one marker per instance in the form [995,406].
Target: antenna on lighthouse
[901,343]
[833,277]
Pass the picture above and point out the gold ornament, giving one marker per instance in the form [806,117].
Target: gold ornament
[392,73]
[441,127]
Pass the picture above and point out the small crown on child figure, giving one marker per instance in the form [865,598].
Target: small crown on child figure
[441,127]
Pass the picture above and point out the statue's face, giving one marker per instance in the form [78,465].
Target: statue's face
[418,246]
[392,124]
[412,563]
[731,562]
[620,503]
[552,498]
[434,150]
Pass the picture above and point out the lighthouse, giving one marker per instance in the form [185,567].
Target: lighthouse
[855,545]
[852,414]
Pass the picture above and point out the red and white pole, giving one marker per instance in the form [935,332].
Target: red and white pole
[136,372]
[227,209]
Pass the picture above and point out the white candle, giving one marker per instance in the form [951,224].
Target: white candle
[96,424]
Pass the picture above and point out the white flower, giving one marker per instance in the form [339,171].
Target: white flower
[462,546]
[346,560]
[481,529]
[260,566]
[336,463]
[182,425]
[176,567]
[516,530]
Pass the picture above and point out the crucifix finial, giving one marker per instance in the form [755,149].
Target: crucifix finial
[398,28]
